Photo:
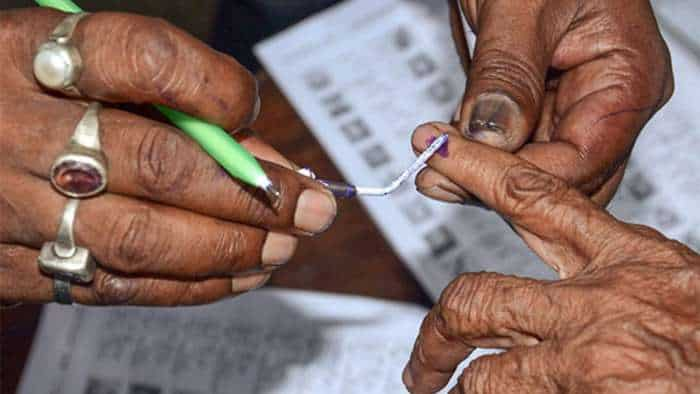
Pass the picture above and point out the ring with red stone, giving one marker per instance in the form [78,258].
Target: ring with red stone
[80,171]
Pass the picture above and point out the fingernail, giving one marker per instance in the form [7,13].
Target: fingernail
[493,116]
[452,188]
[256,109]
[248,283]
[424,136]
[438,193]
[278,249]
[315,211]
[407,378]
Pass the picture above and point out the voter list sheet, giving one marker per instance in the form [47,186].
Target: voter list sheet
[266,342]
[365,73]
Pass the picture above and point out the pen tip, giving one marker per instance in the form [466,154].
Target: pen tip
[274,195]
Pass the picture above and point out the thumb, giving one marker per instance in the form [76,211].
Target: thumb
[506,83]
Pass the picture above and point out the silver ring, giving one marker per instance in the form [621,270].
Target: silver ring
[63,258]
[80,171]
[57,63]
[61,291]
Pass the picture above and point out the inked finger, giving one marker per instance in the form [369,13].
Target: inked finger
[527,196]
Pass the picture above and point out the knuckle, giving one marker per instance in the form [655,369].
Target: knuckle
[164,162]
[245,106]
[475,377]
[153,46]
[231,248]
[506,69]
[112,290]
[523,185]
[640,89]
[257,212]
[11,224]
[138,242]
[462,302]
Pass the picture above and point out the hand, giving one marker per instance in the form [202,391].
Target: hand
[567,85]
[625,318]
[173,227]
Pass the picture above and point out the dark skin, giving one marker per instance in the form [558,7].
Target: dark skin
[566,85]
[173,228]
[624,318]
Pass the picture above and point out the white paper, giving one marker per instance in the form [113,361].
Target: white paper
[364,74]
[681,16]
[266,342]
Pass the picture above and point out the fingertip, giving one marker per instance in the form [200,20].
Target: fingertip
[437,193]
[249,283]
[407,378]
[257,103]
[429,178]
[316,211]
[495,119]
[278,249]
[425,134]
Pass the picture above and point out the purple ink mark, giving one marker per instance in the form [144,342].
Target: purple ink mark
[443,152]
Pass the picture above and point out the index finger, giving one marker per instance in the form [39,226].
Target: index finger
[137,59]
[525,195]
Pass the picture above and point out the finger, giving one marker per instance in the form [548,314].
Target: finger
[612,85]
[605,194]
[153,161]
[482,310]
[528,197]
[437,186]
[506,81]
[140,238]
[19,269]
[137,59]
[600,119]
[262,150]
[535,369]
[459,35]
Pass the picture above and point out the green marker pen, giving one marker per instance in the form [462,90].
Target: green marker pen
[237,161]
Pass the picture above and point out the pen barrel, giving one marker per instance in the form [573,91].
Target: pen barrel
[61,5]
[237,161]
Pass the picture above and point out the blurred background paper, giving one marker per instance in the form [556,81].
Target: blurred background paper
[365,73]
[267,342]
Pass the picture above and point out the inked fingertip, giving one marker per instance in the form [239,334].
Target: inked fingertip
[422,135]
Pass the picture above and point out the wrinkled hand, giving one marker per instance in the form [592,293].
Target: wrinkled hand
[624,318]
[566,84]
[173,228]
